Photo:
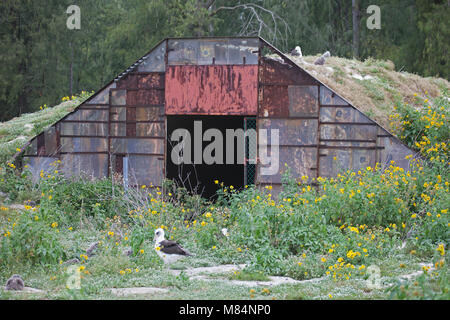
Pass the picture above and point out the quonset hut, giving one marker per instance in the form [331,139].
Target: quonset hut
[226,83]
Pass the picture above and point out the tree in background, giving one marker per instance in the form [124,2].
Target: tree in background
[40,57]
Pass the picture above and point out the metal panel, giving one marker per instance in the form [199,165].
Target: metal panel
[393,151]
[84,165]
[154,61]
[243,51]
[118,114]
[51,142]
[84,144]
[146,170]
[183,51]
[150,129]
[152,80]
[88,115]
[328,97]
[145,97]
[32,148]
[92,106]
[149,114]
[130,145]
[83,129]
[118,129]
[213,51]
[291,131]
[118,97]
[275,102]
[36,164]
[334,161]
[336,114]
[303,101]
[348,132]
[128,81]
[212,90]
[275,72]
[102,97]
[301,161]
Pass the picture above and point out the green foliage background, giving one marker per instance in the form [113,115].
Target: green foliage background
[36,47]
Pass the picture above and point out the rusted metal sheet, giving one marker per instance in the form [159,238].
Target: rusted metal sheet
[128,81]
[118,97]
[154,61]
[51,143]
[348,132]
[88,115]
[102,97]
[291,131]
[303,101]
[36,164]
[336,114]
[93,106]
[152,80]
[335,161]
[213,51]
[146,170]
[328,97]
[133,145]
[225,89]
[84,165]
[300,161]
[131,122]
[272,71]
[117,114]
[118,129]
[41,144]
[77,144]
[32,148]
[275,102]
[393,150]
[149,114]
[145,97]
[150,129]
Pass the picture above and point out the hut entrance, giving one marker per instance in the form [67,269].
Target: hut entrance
[204,149]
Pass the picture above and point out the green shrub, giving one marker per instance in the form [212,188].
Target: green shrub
[31,238]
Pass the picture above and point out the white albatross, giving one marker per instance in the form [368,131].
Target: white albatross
[168,251]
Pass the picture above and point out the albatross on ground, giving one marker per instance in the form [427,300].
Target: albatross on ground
[168,251]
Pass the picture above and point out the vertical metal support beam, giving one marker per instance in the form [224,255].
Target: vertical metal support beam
[108,136]
[318,134]
[166,62]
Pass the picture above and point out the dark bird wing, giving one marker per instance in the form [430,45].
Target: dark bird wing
[171,247]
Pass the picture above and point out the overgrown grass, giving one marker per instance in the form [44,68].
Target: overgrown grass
[338,231]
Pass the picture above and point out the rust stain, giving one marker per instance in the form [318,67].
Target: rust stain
[273,71]
[210,89]
[145,97]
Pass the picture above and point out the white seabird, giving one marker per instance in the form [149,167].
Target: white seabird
[168,251]
[297,51]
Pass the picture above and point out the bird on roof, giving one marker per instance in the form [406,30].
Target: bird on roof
[297,51]
[321,60]
[169,251]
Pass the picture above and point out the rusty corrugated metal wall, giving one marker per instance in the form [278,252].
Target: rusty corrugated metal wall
[320,133]
[121,129]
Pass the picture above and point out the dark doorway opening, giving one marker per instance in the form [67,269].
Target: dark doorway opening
[200,178]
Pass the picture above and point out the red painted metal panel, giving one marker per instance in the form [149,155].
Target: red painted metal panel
[212,89]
